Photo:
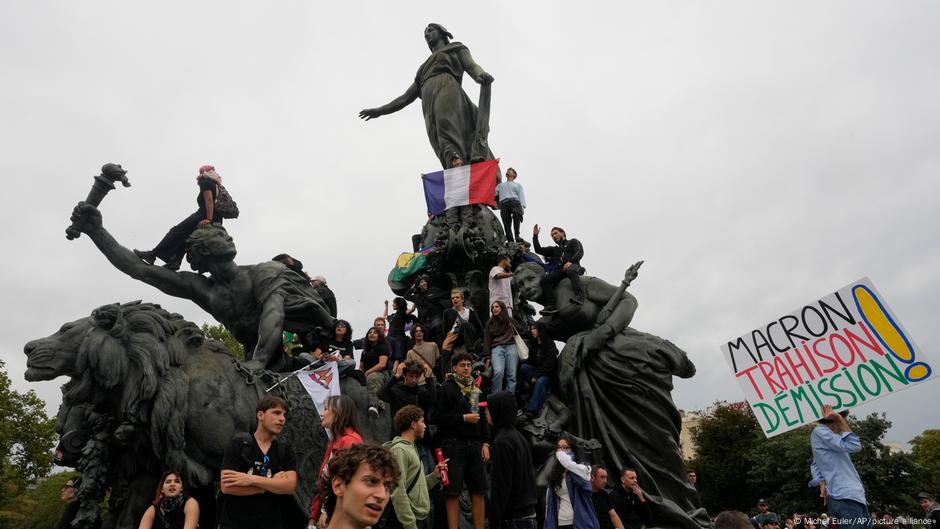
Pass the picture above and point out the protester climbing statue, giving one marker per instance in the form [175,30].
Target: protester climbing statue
[255,303]
[617,382]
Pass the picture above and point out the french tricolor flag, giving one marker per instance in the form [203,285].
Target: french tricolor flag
[461,186]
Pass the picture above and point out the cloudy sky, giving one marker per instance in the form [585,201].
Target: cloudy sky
[757,155]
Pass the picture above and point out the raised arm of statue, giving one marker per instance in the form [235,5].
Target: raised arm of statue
[619,318]
[475,71]
[395,105]
[87,219]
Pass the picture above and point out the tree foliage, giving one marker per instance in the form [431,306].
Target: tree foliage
[220,333]
[27,437]
[736,465]
[927,454]
[38,507]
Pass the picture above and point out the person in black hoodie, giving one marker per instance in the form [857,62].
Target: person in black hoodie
[512,482]
[403,389]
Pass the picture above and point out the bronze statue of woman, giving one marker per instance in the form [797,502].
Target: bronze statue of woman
[451,119]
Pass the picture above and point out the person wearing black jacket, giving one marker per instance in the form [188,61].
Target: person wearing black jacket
[403,389]
[462,328]
[512,482]
[463,434]
[541,369]
[569,252]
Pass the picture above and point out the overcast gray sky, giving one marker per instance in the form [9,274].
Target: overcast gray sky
[757,155]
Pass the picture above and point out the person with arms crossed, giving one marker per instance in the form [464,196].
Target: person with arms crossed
[256,469]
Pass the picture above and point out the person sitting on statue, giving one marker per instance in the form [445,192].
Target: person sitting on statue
[172,247]
[255,303]
[511,199]
[172,508]
[541,368]
[335,347]
[374,364]
[463,328]
[569,252]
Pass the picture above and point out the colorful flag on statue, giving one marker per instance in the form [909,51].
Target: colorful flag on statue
[321,383]
[461,186]
[410,263]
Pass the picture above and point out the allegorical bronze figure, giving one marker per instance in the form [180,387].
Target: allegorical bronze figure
[456,128]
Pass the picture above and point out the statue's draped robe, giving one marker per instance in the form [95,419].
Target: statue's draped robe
[621,397]
[449,115]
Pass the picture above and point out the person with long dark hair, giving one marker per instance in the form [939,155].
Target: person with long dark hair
[172,247]
[172,508]
[541,368]
[341,422]
[400,317]
[499,341]
[568,503]
[374,365]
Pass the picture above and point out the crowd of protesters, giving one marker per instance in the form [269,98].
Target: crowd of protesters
[456,384]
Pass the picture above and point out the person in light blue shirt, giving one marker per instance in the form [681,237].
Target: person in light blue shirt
[511,199]
[832,470]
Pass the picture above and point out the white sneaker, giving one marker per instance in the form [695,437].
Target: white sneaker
[374,412]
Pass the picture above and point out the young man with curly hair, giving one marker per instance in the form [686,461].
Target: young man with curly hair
[362,479]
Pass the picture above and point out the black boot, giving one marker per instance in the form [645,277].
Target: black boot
[146,256]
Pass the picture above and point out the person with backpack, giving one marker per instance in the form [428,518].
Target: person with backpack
[214,203]
[410,505]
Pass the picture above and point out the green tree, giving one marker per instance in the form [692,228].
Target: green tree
[891,478]
[220,333]
[27,437]
[927,454]
[727,434]
[38,507]
[780,472]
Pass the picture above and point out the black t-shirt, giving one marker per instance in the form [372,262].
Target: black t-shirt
[397,322]
[331,346]
[603,506]
[260,510]
[205,184]
[370,358]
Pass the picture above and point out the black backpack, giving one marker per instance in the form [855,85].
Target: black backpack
[389,519]
[224,203]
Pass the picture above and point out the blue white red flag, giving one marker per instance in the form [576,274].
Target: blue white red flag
[461,186]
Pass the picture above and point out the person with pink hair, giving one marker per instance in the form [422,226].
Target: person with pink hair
[172,247]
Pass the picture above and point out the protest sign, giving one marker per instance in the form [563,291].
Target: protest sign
[844,349]
[321,383]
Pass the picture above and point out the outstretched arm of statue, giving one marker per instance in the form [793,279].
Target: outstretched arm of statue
[270,326]
[620,317]
[395,105]
[181,285]
[475,70]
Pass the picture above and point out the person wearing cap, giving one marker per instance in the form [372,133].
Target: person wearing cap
[764,514]
[931,509]
[172,247]
[832,470]
[319,284]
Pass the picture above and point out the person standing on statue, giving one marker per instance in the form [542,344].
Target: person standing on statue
[449,115]
[511,199]
[569,252]
[172,247]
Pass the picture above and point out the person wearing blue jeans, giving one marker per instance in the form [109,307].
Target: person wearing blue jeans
[541,369]
[832,470]
[499,341]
